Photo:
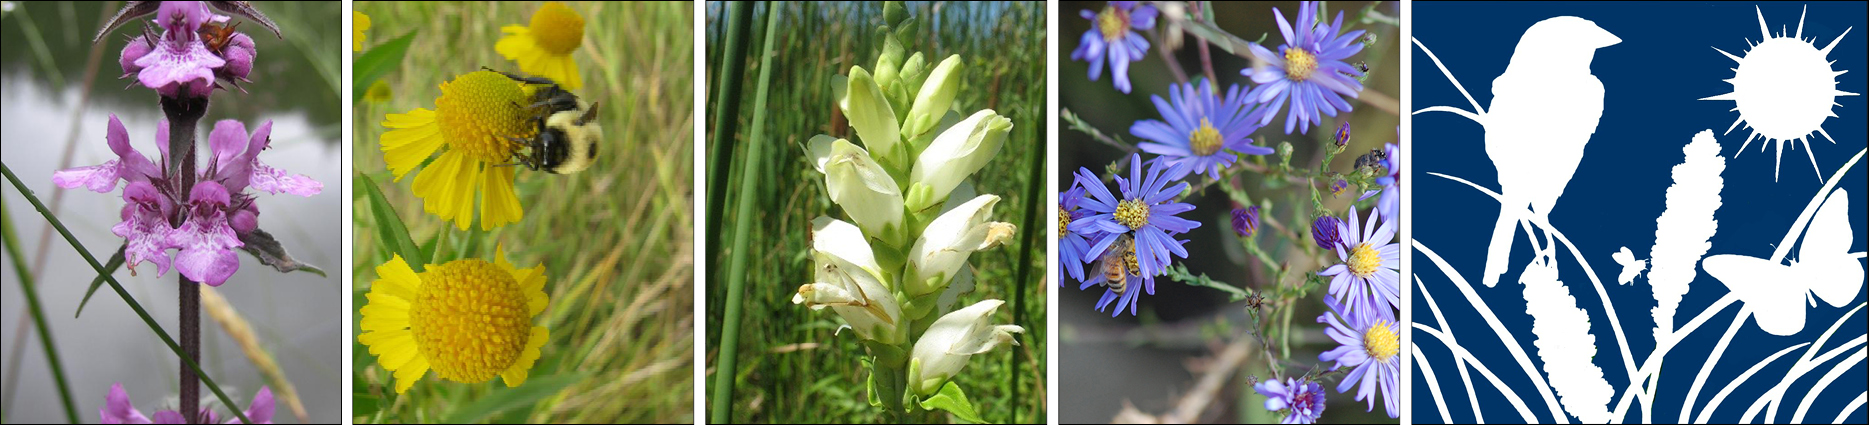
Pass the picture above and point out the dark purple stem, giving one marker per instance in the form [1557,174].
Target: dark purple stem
[183,114]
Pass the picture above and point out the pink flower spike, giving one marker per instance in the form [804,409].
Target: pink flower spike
[267,179]
[170,417]
[176,65]
[137,48]
[118,410]
[129,165]
[260,410]
[228,141]
[206,240]
[145,228]
[239,54]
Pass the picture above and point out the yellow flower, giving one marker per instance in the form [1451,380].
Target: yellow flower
[469,320]
[378,92]
[477,117]
[359,23]
[544,48]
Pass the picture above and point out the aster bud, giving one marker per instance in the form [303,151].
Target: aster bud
[1343,135]
[1246,221]
[1284,154]
[1324,232]
[947,242]
[944,349]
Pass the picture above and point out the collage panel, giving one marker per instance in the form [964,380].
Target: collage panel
[1228,226]
[876,246]
[1673,246]
[523,212]
[172,193]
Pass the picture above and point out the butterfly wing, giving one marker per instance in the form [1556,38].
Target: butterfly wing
[1823,256]
[1772,291]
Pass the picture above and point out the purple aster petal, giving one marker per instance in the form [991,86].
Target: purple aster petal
[1142,18]
[1119,58]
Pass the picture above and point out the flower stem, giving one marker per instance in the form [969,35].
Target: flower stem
[27,288]
[183,114]
[726,370]
[191,345]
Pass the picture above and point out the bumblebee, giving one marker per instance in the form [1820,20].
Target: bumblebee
[567,134]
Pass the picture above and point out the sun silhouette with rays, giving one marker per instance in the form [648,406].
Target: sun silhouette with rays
[1783,90]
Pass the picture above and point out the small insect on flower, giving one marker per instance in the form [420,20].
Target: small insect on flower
[1119,263]
[567,134]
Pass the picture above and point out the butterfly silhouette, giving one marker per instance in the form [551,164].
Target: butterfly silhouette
[1776,292]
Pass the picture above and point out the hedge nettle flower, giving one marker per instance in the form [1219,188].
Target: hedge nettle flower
[470,320]
[1202,130]
[195,49]
[1302,399]
[1324,232]
[1112,38]
[1368,276]
[544,47]
[1308,69]
[1146,212]
[118,410]
[1071,245]
[1246,221]
[476,120]
[1369,342]
[217,209]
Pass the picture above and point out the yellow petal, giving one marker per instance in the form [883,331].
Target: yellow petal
[409,373]
[414,138]
[436,186]
[517,41]
[516,375]
[464,188]
[499,206]
[396,279]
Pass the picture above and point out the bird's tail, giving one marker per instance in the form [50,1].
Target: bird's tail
[1500,249]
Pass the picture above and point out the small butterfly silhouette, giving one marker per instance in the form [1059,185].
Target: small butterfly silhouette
[1777,293]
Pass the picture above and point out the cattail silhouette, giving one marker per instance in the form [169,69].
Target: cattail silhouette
[1565,345]
[1684,228]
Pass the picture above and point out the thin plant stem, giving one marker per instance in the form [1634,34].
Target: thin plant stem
[726,369]
[1204,12]
[38,314]
[115,286]
[190,306]
[726,115]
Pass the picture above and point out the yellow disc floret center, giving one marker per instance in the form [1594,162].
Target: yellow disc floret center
[557,29]
[1299,64]
[1380,341]
[1132,213]
[1064,220]
[1205,140]
[1363,260]
[1114,22]
[479,111]
[470,320]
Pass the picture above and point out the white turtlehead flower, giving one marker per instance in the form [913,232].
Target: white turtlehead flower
[948,241]
[944,349]
[937,93]
[857,183]
[870,113]
[846,281]
[956,154]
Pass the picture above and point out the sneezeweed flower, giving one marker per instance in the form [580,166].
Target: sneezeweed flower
[1071,245]
[1246,221]
[1300,399]
[849,282]
[476,119]
[1324,232]
[1368,342]
[217,209]
[947,344]
[1368,277]
[470,320]
[118,410]
[1203,129]
[1308,69]
[196,47]
[359,27]
[1112,38]
[948,240]
[1146,213]
[544,47]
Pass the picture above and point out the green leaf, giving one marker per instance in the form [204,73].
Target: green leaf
[953,401]
[364,404]
[378,61]
[390,229]
[1181,274]
[262,246]
[110,266]
[505,399]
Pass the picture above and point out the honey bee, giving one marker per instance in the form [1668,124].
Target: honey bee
[1119,263]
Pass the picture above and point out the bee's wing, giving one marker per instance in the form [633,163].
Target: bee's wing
[1772,291]
[1623,257]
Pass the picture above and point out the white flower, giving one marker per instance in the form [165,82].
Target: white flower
[870,113]
[847,282]
[948,241]
[937,92]
[956,154]
[857,183]
[943,350]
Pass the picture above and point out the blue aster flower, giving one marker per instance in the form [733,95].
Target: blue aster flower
[1308,70]
[1391,201]
[1301,399]
[1112,37]
[1071,246]
[1369,343]
[1368,277]
[1143,220]
[1201,128]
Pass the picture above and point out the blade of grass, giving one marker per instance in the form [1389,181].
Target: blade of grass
[742,230]
[378,61]
[507,399]
[38,314]
[127,299]
[389,227]
[726,116]
[110,266]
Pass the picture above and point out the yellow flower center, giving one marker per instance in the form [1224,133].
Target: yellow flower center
[1363,260]
[478,111]
[1064,220]
[1114,23]
[1380,342]
[1132,213]
[1205,140]
[557,28]
[470,320]
[1299,64]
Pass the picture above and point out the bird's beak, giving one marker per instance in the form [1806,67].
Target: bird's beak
[1600,38]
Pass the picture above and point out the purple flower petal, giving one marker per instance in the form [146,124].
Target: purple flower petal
[145,227]
[206,240]
[175,65]
[117,408]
